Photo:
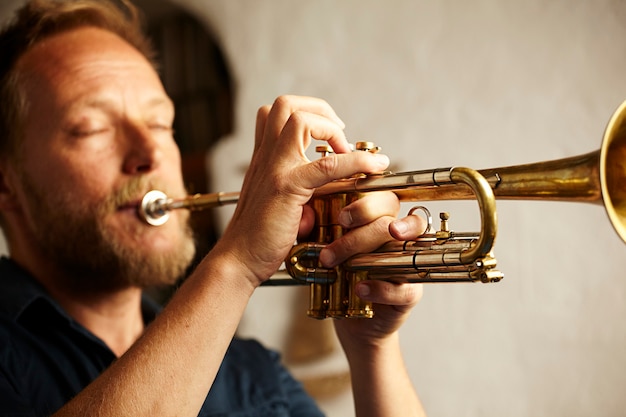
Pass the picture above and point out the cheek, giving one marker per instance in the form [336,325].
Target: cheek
[71,178]
[172,168]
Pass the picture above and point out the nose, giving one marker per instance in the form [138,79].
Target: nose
[142,151]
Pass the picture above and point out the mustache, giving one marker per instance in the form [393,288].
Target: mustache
[131,192]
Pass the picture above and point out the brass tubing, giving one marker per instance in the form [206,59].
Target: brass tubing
[595,177]
[481,248]
[573,179]
[487,204]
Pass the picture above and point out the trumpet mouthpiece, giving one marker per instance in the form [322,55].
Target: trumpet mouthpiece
[153,208]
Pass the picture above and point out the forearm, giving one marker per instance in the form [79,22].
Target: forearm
[380,382]
[171,368]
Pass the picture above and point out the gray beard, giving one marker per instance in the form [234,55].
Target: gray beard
[91,259]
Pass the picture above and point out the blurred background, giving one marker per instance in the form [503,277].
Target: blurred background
[480,83]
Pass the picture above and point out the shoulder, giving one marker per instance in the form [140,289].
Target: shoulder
[250,349]
[253,381]
[249,357]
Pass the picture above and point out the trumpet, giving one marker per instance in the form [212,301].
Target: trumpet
[597,177]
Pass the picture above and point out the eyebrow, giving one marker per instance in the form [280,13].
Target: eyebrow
[108,103]
[160,101]
[110,106]
[105,103]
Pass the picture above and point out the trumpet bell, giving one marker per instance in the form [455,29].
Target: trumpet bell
[613,170]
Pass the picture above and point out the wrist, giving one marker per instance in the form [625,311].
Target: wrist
[358,350]
[227,264]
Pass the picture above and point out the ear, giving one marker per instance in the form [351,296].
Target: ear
[7,187]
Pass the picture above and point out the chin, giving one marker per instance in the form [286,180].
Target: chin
[165,238]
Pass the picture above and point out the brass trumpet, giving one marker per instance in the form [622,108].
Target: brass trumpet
[435,256]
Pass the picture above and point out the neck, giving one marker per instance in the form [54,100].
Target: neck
[114,314]
[114,317]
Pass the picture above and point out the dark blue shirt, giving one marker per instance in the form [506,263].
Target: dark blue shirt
[46,358]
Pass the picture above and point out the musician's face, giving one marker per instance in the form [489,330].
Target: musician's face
[97,137]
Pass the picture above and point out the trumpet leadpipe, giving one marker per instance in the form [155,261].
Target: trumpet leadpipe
[156,205]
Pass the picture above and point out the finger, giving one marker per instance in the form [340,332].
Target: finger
[339,166]
[368,208]
[408,228]
[302,126]
[307,222]
[365,239]
[284,106]
[261,118]
[389,293]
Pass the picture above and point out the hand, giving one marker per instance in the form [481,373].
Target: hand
[393,302]
[281,180]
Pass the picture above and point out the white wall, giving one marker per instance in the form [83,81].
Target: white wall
[481,83]
[478,83]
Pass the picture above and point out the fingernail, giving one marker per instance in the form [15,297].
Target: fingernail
[345,218]
[327,258]
[401,226]
[363,290]
[382,160]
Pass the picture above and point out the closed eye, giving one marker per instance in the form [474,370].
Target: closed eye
[83,133]
[162,127]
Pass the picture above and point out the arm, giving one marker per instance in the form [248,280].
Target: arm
[380,382]
[170,369]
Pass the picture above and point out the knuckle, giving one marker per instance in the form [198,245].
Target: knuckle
[262,112]
[411,293]
[283,101]
[381,226]
[297,118]
[401,294]
[345,247]
[328,165]
[348,245]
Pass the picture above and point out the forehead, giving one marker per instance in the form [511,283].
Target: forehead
[84,61]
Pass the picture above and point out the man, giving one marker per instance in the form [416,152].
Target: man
[85,130]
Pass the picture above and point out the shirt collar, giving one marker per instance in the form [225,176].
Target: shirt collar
[19,290]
